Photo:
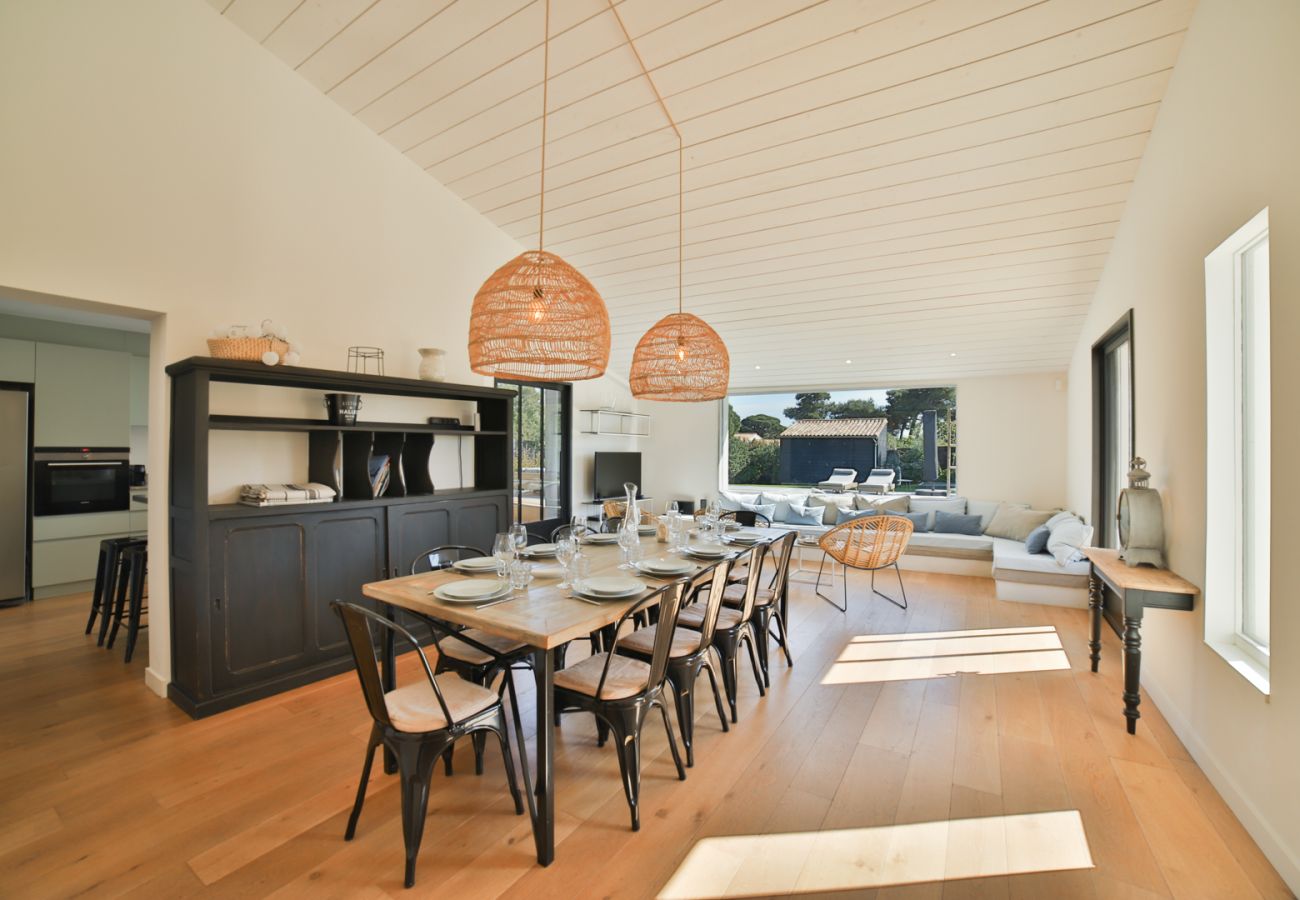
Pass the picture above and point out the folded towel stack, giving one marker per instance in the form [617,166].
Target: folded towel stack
[284,494]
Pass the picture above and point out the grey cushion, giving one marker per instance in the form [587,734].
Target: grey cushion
[953,523]
[920,521]
[932,505]
[804,515]
[846,515]
[767,510]
[1037,540]
[782,503]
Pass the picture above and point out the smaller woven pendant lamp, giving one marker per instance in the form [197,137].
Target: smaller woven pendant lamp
[537,318]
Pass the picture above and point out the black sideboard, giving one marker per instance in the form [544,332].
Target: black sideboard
[251,586]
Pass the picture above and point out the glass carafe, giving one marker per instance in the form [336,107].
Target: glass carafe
[628,535]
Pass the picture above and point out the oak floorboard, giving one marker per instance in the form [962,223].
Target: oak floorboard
[106,790]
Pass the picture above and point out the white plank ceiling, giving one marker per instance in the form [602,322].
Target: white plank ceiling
[877,191]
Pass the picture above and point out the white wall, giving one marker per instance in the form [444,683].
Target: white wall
[157,159]
[682,453]
[1224,147]
[1011,441]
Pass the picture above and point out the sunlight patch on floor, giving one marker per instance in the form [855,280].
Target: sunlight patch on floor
[942,654]
[864,858]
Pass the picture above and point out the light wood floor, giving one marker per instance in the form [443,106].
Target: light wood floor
[106,790]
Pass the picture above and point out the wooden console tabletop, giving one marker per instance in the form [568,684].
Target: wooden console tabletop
[1136,589]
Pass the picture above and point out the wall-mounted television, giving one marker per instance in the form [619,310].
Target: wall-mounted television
[612,470]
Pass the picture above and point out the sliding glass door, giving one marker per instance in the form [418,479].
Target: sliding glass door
[541,455]
[1112,398]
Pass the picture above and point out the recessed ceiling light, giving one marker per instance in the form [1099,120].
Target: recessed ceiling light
[952,354]
[757,367]
[848,362]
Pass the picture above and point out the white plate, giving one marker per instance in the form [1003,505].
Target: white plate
[475,564]
[539,550]
[628,596]
[548,571]
[599,538]
[612,586]
[647,529]
[745,537]
[665,566]
[471,591]
[707,551]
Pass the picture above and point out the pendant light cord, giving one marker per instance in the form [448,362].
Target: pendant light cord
[671,124]
[546,78]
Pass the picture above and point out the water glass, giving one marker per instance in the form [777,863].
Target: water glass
[521,573]
[580,571]
[674,510]
[627,539]
[577,526]
[519,535]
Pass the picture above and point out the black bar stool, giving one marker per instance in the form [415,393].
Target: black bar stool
[107,576]
[130,593]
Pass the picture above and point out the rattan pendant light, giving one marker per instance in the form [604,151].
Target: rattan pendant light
[537,318]
[680,359]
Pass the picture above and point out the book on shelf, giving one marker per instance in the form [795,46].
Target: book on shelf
[379,474]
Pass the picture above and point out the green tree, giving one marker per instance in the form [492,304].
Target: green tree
[733,421]
[762,424]
[754,462]
[904,407]
[813,405]
[854,409]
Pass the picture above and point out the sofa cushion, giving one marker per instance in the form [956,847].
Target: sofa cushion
[782,502]
[830,503]
[1065,539]
[767,510]
[1037,540]
[1012,562]
[952,546]
[805,515]
[935,504]
[920,521]
[848,515]
[734,501]
[1059,516]
[886,503]
[1015,524]
[986,509]
[955,523]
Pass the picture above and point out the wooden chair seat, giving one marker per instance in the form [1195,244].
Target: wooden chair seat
[693,616]
[414,708]
[627,677]
[734,596]
[685,642]
[457,649]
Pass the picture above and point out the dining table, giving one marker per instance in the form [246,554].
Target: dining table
[545,617]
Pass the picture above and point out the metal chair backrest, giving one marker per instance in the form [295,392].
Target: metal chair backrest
[757,554]
[784,547]
[442,557]
[669,599]
[747,517]
[566,531]
[357,622]
[612,524]
[713,580]
[871,542]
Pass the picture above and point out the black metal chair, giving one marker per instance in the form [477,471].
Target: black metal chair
[747,518]
[690,652]
[110,580]
[620,691]
[734,627]
[771,604]
[417,723]
[471,653]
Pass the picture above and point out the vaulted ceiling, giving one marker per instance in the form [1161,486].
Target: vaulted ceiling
[876,192]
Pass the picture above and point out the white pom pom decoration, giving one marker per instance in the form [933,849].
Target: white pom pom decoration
[271,358]
[291,358]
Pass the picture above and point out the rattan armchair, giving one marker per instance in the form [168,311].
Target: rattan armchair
[870,543]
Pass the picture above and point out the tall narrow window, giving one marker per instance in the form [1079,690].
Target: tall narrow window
[541,456]
[1112,375]
[1238,389]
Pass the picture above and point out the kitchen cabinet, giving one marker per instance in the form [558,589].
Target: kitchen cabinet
[82,397]
[65,549]
[139,402]
[17,360]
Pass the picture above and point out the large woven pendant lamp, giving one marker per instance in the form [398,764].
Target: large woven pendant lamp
[680,359]
[537,318]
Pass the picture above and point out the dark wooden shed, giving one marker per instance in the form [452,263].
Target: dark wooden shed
[811,448]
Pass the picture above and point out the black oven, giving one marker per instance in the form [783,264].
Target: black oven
[80,480]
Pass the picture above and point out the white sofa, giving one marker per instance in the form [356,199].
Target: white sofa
[1019,576]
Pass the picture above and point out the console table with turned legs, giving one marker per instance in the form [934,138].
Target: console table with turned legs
[1122,593]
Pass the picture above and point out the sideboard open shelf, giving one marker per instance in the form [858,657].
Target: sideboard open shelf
[251,586]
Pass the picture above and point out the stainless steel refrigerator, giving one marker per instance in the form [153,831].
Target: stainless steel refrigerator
[15,494]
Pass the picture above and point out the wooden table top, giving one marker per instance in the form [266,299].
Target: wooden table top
[544,616]
[1137,578]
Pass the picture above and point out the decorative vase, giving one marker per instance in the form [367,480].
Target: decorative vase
[433,364]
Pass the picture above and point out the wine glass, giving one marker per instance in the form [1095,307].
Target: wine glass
[627,539]
[674,510]
[565,549]
[503,549]
[519,536]
[577,526]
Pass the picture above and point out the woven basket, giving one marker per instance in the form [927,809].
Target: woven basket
[249,348]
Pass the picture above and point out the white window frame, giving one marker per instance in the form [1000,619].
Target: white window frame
[1236,438]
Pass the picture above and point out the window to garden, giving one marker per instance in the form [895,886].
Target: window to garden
[798,439]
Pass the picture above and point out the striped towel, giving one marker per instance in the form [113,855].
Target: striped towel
[267,494]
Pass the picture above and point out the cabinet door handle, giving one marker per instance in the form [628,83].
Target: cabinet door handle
[216,601]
